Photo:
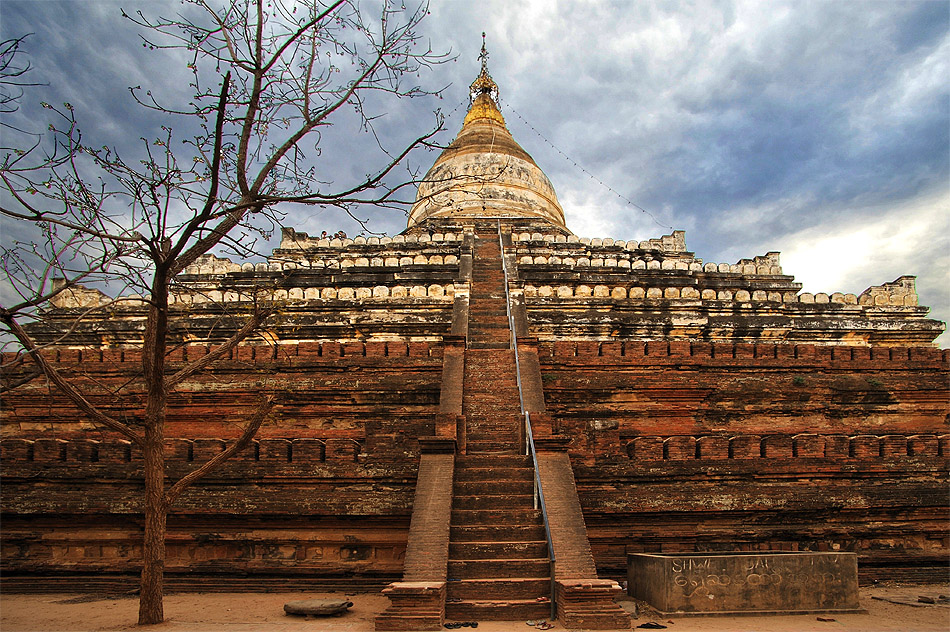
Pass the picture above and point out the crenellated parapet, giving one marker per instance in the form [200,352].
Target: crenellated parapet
[655,289]
[305,257]
[593,288]
[841,447]
[404,286]
[675,242]
[296,240]
[901,291]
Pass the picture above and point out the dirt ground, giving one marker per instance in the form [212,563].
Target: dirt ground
[257,612]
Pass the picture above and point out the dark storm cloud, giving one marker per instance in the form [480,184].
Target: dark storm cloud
[89,56]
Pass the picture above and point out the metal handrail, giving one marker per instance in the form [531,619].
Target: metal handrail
[529,434]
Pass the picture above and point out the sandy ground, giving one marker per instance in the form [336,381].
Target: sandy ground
[255,612]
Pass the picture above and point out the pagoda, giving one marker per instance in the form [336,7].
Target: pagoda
[485,414]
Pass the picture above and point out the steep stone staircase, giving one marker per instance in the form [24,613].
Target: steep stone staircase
[498,555]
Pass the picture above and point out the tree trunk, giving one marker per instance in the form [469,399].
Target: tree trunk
[151,608]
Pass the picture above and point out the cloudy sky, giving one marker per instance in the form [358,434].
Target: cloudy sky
[818,129]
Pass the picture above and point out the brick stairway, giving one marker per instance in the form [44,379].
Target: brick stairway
[498,556]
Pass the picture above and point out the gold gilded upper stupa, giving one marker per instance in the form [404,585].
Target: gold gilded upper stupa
[484,172]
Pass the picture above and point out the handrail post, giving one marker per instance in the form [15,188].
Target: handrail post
[528,433]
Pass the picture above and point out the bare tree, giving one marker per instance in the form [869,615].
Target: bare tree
[268,78]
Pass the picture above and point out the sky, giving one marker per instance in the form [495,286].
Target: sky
[817,129]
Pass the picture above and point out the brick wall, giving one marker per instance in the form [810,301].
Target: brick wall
[324,491]
[689,446]
[675,446]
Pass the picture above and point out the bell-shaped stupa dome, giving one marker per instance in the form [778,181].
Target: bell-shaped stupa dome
[484,172]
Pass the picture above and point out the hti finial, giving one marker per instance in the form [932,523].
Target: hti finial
[484,84]
[484,55]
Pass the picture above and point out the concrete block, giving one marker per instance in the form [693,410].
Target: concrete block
[761,583]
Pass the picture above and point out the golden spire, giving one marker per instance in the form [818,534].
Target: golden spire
[484,93]
[483,84]
[484,172]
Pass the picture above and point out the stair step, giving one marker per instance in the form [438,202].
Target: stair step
[494,416]
[484,424]
[509,610]
[462,517]
[492,447]
[492,355]
[486,502]
[498,550]
[524,485]
[493,474]
[504,405]
[487,417]
[491,434]
[480,344]
[504,393]
[483,533]
[492,437]
[490,430]
[480,461]
[506,480]
[498,568]
[494,382]
[521,588]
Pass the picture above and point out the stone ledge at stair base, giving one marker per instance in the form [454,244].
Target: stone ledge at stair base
[756,583]
[414,606]
[589,604]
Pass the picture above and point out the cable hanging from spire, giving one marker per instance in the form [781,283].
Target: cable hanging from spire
[592,176]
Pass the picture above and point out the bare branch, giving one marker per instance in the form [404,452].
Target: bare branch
[11,383]
[252,324]
[63,384]
[12,73]
[249,431]
[182,262]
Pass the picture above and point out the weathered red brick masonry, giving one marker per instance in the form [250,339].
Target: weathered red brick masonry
[676,405]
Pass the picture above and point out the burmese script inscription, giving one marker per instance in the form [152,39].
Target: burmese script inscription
[759,582]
